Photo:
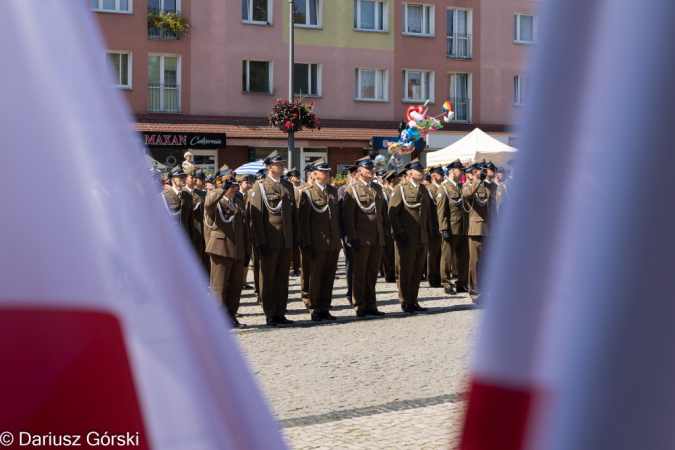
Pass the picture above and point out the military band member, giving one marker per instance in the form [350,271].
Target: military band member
[410,216]
[197,223]
[274,220]
[365,217]
[177,202]
[320,226]
[388,260]
[478,197]
[228,244]
[346,248]
[434,259]
[453,221]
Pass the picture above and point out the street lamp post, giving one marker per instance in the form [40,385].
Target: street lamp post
[291,63]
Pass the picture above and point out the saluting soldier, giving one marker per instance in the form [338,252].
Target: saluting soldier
[346,248]
[366,220]
[434,259]
[478,197]
[410,217]
[320,226]
[244,181]
[228,244]
[391,180]
[197,223]
[453,222]
[177,202]
[274,219]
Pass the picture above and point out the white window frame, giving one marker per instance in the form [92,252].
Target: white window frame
[432,25]
[516,38]
[385,17]
[309,77]
[161,78]
[469,26]
[161,5]
[249,4]
[469,91]
[117,8]
[429,89]
[319,15]
[248,77]
[385,87]
[520,81]
[129,71]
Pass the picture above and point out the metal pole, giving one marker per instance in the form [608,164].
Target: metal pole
[291,63]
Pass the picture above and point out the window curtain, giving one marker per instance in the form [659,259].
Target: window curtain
[414,19]
[526,28]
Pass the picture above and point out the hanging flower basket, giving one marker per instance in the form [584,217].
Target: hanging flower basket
[293,116]
[169,21]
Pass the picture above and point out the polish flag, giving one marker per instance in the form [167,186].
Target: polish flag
[575,349]
[106,325]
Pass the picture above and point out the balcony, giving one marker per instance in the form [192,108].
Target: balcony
[462,109]
[164,98]
[160,23]
[459,46]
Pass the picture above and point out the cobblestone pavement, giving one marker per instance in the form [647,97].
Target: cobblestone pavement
[392,382]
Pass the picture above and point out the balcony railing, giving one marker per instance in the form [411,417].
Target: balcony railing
[161,33]
[164,98]
[462,109]
[459,46]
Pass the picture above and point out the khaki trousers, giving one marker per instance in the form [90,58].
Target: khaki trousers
[273,281]
[475,253]
[366,267]
[411,265]
[322,273]
[434,260]
[227,281]
[459,246]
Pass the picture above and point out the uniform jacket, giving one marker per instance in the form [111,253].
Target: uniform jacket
[229,240]
[451,213]
[433,191]
[321,230]
[197,222]
[502,194]
[278,230]
[414,221]
[368,228]
[180,208]
[478,197]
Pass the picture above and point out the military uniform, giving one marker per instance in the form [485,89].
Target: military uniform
[434,257]
[274,221]
[346,248]
[319,223]
[478,197]
[255,255]
[197,222]
[303,263]
[366,221]
[453,222]
[411,221]
[179,204]
[228,247]
[388,260]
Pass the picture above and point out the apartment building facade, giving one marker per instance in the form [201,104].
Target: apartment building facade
[362,63]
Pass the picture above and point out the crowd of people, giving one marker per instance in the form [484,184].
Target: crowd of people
[408,225]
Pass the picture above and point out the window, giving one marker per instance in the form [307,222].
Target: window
[523,28]
[164,5]
[418,19]
[370,15]
[307,13]
[520,89]
[418,85]
[459,34]
[256,11]
[307,79]
[257,77]
[119,64]
[370,84]
[163,83]
[459,94]
[121,6]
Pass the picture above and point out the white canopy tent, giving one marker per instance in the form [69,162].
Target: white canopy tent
[474,146]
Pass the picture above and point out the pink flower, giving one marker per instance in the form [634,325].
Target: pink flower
[295,115]
[318,121]
[279,101]
[311,103]
[288,123]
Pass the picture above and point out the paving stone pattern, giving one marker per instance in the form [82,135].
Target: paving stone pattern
[392,382]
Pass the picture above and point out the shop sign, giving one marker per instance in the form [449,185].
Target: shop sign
[185,140]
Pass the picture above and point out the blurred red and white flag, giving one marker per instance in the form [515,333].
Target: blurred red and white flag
[106,326]
[575,349]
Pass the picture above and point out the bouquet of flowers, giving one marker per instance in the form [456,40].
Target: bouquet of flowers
[293,116]
[339,180]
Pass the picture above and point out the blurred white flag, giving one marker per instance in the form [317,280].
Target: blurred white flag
[106,325]
[575,346]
